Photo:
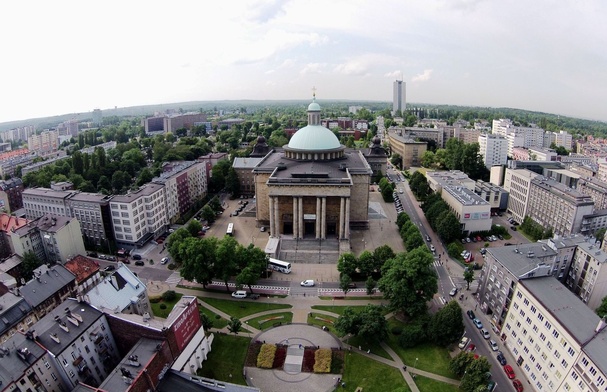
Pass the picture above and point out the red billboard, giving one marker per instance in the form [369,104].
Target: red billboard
[186,325]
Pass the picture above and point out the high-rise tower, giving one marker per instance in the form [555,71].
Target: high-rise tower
[399,99]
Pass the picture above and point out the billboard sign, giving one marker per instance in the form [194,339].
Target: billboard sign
[186,325]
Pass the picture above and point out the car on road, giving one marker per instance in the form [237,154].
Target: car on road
[512,228]
[432,248]
[254,296]
[493,345]
[485,333]
[428,238]
[136,257]
[477,323]
[351,285]
[140,263]
[164,260]
[471,347]
[307,283]
[518,385]
[453,292]
[110,268]
[509,372]
[91,254]
[205,227]
[471,314]
[239,294]
[491,385]
[501,358]
[463,343]
[262,229]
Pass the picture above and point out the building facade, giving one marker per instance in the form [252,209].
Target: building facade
[11,198]
[493,149]
[410,151]
[46,141]
[399,96]
[517,182]
[244,171]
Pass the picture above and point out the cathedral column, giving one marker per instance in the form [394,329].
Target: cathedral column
[318,217]
[295,218]
[272,223]
[300,215]
[323,217]
[276,217]
[347,222]
[340,232]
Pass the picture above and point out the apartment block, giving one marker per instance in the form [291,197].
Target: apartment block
[154,124]
[493,149]
[517,182]
[559,344]
[495,195]
[11,159]
[86,271]
[187,120]
[49,287]
[184,183]
[554,205]
[51,238]
[46,141]
[587,277]
[17,134]
[139,216]
[560,139]
[594,188]
[410,151]
[518,135]
[10,195]
[16,315]
[594,222]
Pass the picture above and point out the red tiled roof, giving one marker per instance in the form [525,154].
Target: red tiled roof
[10,222]
[13,153]
[82,267]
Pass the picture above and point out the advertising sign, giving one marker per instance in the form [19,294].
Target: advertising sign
[187,325]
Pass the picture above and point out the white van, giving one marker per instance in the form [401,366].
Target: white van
[239,294]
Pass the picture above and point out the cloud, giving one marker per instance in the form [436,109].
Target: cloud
[270,71]
[394,74]
[422,77]
[313,68]
[352,68]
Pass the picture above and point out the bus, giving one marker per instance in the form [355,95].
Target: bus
[280,266]
[230,230]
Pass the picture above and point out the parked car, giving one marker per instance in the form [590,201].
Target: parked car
[485,333]
[491,385]
[453,292]
[110,268]
[471,347]
[91,254]
[428,238]
[463,343]
[509,372]
[471,314]
[254,296]
[239,294]
[351,285]
[501,358]
[136,257]
[164,260]
[307,283]
[140,263]
[493,345]
[477,323]
[518,385]
[432,248]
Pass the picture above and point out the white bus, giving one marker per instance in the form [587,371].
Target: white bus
[230,230]
[280,266]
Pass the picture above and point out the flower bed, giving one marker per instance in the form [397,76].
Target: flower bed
[324,320]
[322,360]
[265,359]
[253,353]
[260,322]
[279,357]
[308,361]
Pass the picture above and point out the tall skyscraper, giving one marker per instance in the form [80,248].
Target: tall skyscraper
[399,99]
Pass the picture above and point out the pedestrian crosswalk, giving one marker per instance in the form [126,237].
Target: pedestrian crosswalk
[174,279]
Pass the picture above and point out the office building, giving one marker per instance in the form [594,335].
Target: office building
[399,97]
[244,171]
[408,149]
[97,117]
[11,198]
[517,182]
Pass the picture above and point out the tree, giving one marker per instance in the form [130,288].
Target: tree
[602,309]
[366,263]
[145,176]
[448,227]
[232,182]
[460,362]
[252,262]
[198,258]
[408,281]
[468,276]
[174,241]
[370,285]
[412,335]
[29,264]
[475,374]
[447,325]
[226,266]
[194,227]
[382,254]
[208,214]
[234,325]
[346,264]
[344,283]
[369,323]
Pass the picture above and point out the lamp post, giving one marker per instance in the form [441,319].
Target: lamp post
[415,366]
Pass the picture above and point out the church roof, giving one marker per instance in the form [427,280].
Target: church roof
[314,137]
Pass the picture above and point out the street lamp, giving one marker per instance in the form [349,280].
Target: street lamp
[416,363]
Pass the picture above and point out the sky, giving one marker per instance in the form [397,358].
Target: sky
[74,56]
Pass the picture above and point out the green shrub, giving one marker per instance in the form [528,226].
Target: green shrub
[169,296]
[265,359]
[162,306]
[155,299]
[397,330]
[322,360]
[172,266]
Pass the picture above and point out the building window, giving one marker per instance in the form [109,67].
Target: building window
[53,376]
[71,373]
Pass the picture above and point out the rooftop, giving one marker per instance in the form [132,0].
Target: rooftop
[82,267]
[246,163]
[47,223]
[524,260]
[24,353]
[465,196]
[561,190]
[10,222]
[47,281]
[184,382]
[115,291]
[171,170]
[13,310]
[50,330]
[145,190]
[47,192]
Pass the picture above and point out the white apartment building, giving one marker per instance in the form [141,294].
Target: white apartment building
[596,189]
[139,216]
[553,204]
[517,183]
[560,139]
[559,343]
[47,141]
[542,154]
[493,149]
[184,183]
[587,276]
[518,136]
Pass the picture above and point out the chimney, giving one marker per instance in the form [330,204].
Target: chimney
[602,324]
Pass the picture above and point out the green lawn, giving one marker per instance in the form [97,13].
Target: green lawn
[340,309]
[371,375]
[319,320]
[227,357]
[268,321]
[375,347]
[158,312]
[430,385]
[218,321]
[240,309]
[431,358]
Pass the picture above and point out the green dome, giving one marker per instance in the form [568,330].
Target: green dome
[313,107]
[314,138]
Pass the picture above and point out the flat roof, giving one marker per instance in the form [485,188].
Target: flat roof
[48,282]
[145,190]
[515,257]
[46,192]
[246,163]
